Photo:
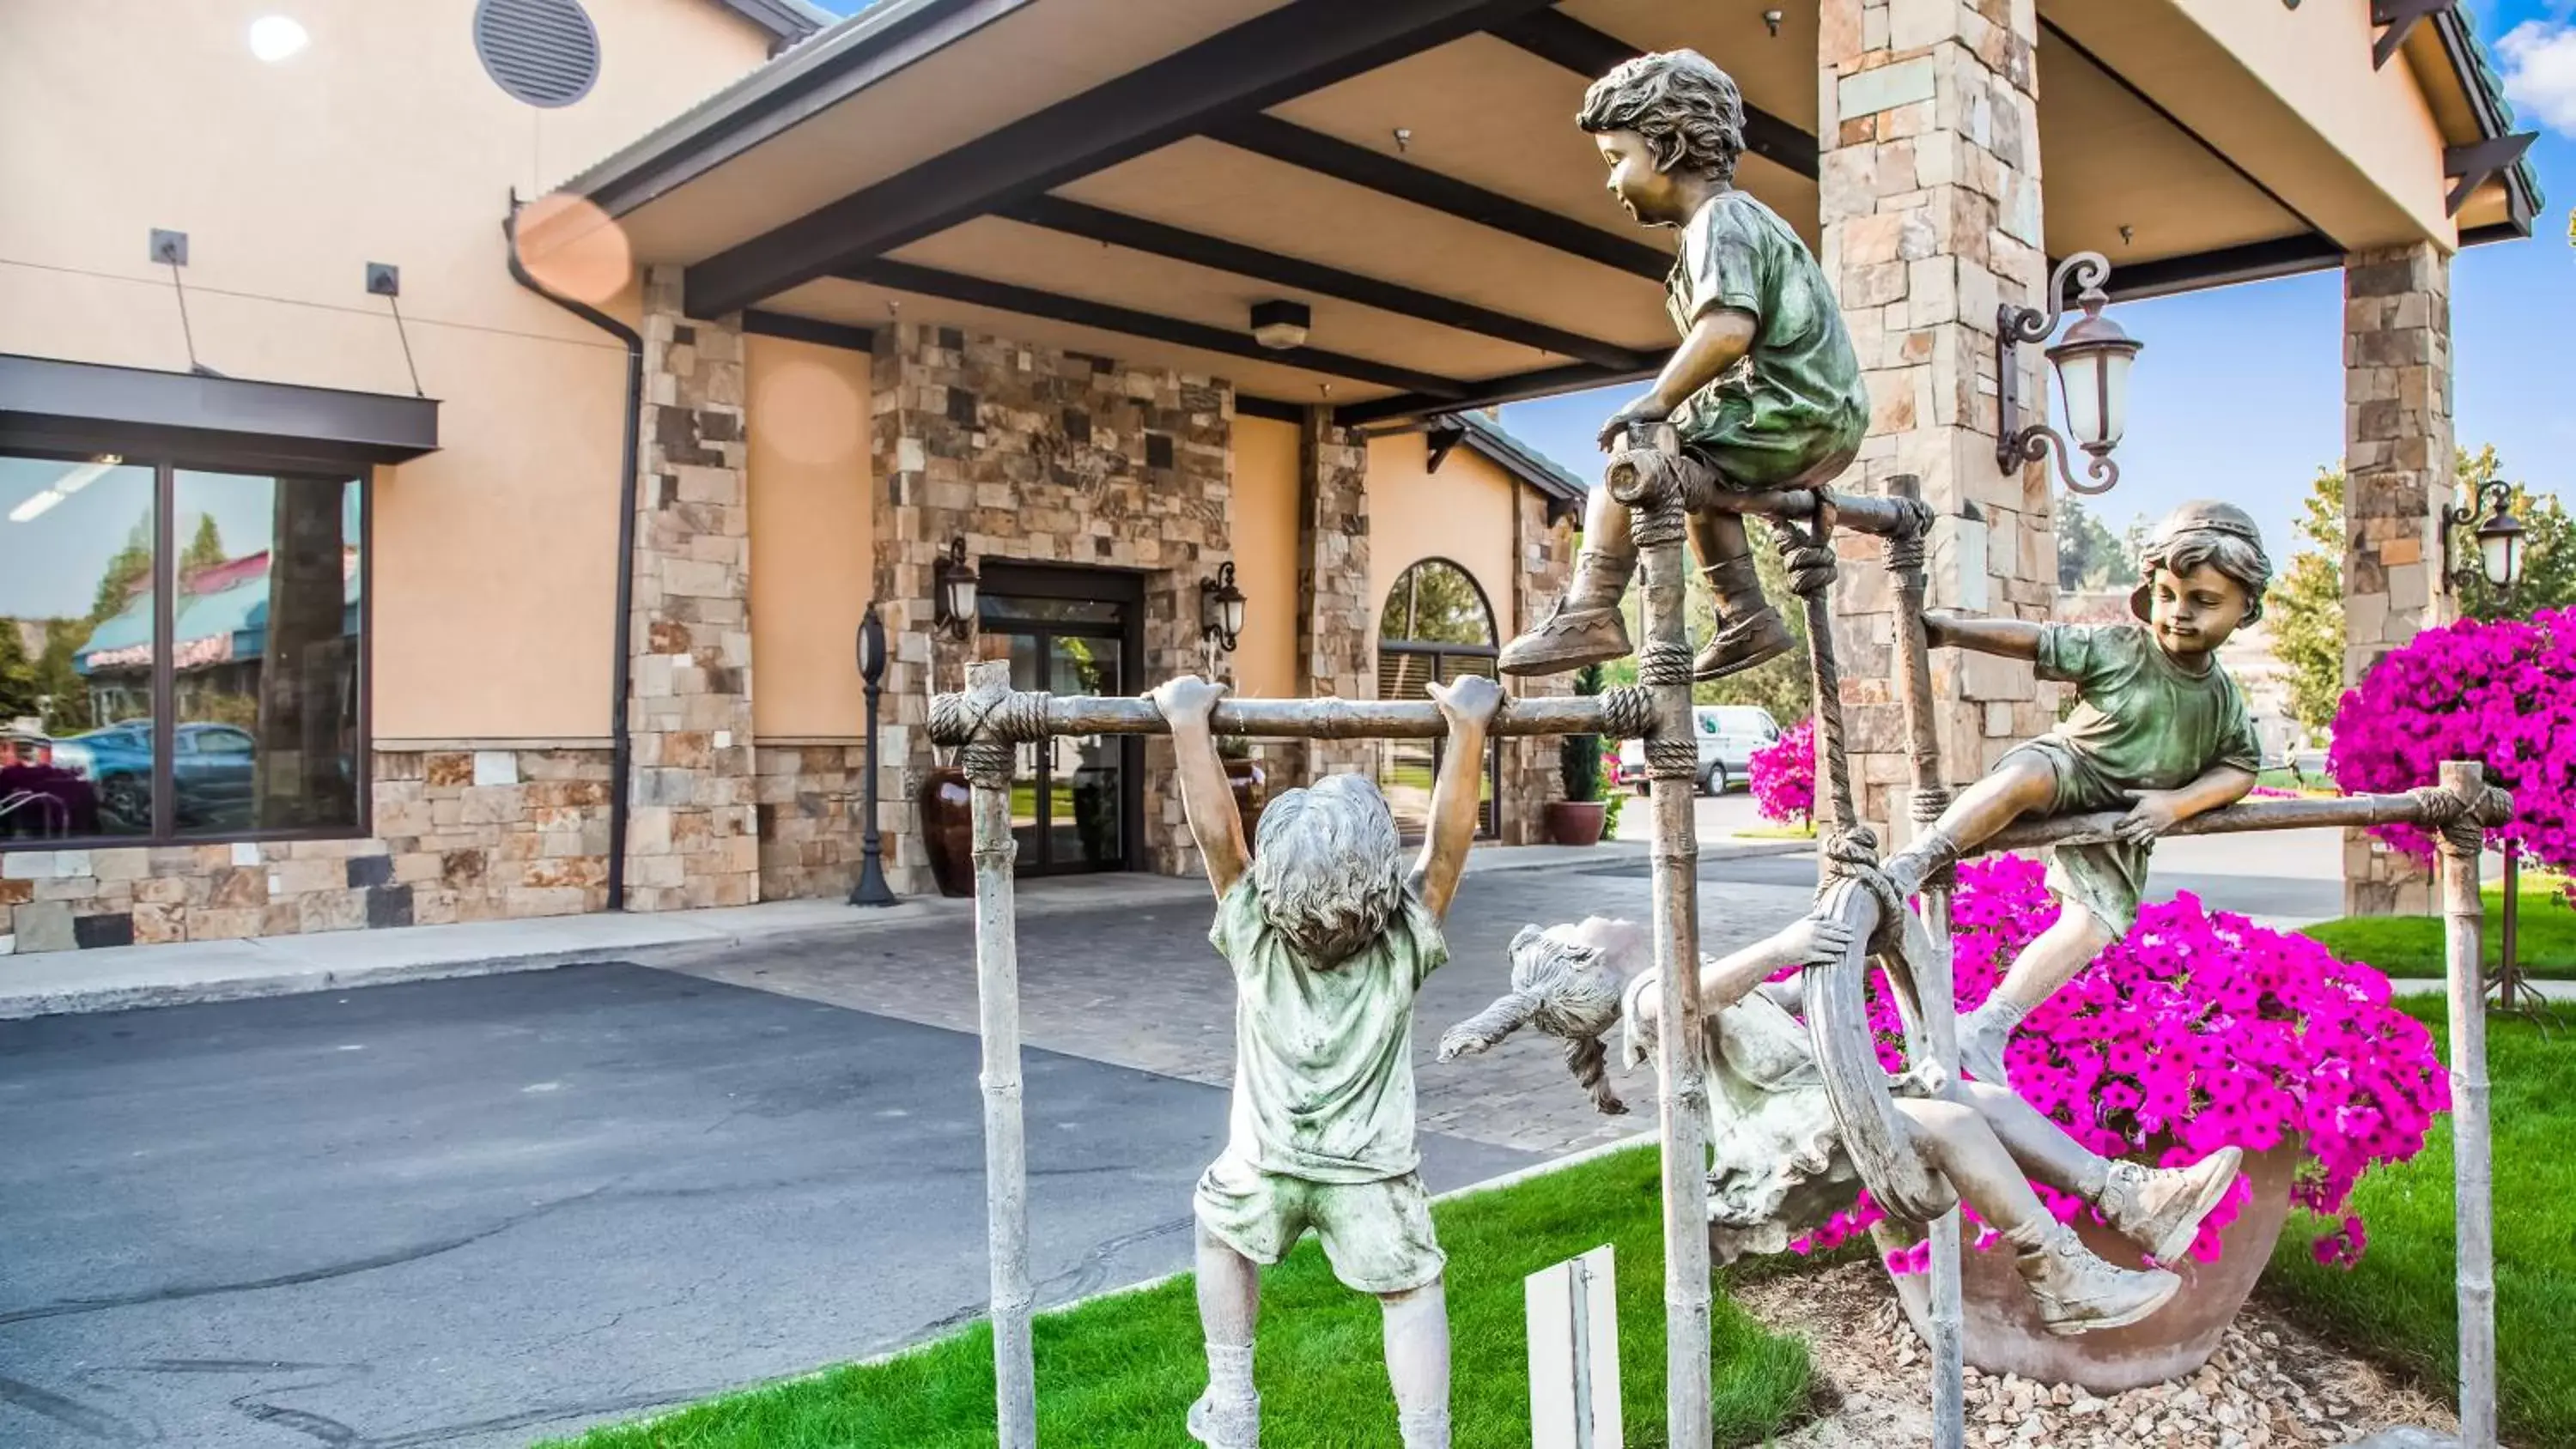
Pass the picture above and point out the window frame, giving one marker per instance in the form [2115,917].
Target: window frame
[166,464]
[1489,815]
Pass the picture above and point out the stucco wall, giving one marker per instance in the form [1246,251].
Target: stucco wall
[382,141]
[813,563]
[1265,556]
[1463,514]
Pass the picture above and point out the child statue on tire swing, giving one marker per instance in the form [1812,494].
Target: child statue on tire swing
[2160,731]
[1329,937]
[1765,388]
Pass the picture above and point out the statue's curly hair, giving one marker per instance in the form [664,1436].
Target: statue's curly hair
[1689,111]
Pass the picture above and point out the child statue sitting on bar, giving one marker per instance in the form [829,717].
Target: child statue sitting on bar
[2160,731]
[1329,937]
[1764,390]
[1778,1164]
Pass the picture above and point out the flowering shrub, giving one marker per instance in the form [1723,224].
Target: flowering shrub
[2501,692]
[1783,775]
[2198,1031]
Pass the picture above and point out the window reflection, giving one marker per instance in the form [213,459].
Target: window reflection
[76,647]
[264,652]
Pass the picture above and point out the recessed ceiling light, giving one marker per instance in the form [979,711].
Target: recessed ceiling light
[275,37]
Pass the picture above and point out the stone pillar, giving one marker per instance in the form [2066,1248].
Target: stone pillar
[1929,132]
[2400,468]
[1333,583]
[1543,557]
[1040,455]
[693,839]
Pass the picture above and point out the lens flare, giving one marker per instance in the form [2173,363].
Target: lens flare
[276,37]
[571,246]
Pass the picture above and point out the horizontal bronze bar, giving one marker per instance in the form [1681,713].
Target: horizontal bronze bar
[2340,812]
[1328,718]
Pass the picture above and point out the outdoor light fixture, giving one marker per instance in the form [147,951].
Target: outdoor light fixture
[953,581]
[1279,325]
[2499,537]
[276,37]
[1221,608]
[1772,18]
[2092,365]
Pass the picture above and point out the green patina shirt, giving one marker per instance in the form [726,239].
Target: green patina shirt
[2143,721]
[1323,1065]
[1795,413]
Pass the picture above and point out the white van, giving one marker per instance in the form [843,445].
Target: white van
[1728,736]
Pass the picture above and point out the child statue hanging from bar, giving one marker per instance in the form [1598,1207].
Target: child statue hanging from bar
[2160,731]
[1778,1164]
[1764,390]
[1329,937]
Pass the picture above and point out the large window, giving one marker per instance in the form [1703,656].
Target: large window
[182,651]
[1435,627]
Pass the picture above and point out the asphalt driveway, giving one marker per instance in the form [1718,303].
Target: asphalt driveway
[468,1213]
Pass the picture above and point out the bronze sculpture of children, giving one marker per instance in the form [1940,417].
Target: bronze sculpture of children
[1329,937]
[2161,730]
[1764,389]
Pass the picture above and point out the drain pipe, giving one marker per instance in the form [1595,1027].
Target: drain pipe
[622,668]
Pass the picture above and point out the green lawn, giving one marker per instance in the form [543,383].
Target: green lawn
[2412,945]
[2398,1304]
[1119,1373]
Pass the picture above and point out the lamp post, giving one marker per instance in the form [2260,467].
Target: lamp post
[2500,558]
[871,889]
[2092,366]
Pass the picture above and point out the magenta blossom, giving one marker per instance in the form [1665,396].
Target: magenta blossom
[2503,693]
[2198,1031]
[1783,775]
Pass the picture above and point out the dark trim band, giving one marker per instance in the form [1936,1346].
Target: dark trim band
[88,406]
[793,328]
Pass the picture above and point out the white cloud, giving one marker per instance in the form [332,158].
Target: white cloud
[2540,73]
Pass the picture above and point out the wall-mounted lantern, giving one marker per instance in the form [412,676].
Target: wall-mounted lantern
[2092,366]
[1221,609]
[2499,537]
[953,581]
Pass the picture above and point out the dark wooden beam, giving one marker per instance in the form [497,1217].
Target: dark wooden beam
[808,329]
[2260,261]
[1268,408]
[1554,36]
[1359,166]
[1487,392]
[1443,439]
[2400,17]
[1274,57]
[2469,166]
[1153,326]
[1137,234]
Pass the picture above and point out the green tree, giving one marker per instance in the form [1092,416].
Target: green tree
[2305,606]
[19,689]
[205,550]
[57,679]
[128,570]
[2089,555]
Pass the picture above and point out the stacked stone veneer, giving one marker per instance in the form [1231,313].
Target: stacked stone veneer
[1931,206]
[1044,456]
[693,839]
[1543,560]
[811,805]
[460,836]
[1334,610]
[2399,475]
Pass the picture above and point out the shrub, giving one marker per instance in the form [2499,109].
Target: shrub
[2503,693]
[2199,1030]
[1783,775]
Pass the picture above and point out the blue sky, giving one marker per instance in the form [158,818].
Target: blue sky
[2240,391]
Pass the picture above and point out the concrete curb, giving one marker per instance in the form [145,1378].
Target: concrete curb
[128,977]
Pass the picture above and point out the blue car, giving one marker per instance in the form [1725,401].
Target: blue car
[213,769]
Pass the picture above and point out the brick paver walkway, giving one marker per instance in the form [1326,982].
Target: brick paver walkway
[1138,986]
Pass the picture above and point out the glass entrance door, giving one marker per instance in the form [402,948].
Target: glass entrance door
[1074,799]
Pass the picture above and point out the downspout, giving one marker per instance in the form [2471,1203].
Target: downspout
[622,668]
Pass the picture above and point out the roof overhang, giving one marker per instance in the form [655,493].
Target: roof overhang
[84,407]
[1130,177]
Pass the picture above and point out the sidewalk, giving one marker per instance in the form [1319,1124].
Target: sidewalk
[115,978]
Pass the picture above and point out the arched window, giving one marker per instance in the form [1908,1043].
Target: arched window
[1435,626]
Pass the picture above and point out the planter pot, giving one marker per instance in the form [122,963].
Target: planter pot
[1573,822]
[948,829]
[1247,779]
[2001,1328]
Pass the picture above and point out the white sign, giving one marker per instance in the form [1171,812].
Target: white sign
[1574,1353]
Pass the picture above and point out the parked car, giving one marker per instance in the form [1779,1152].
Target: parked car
[1728,736]
[213,770]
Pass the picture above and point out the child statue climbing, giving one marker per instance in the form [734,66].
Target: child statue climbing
[1764,389]
[1778,1166]
[2160,731]
[1330,937]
